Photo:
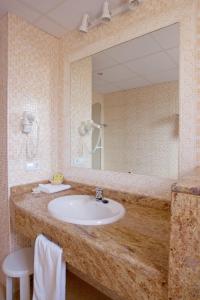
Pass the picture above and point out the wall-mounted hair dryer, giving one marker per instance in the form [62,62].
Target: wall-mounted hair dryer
[30,127]
[87,126]
[27,122]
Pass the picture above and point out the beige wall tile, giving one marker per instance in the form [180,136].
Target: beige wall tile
[33,85]
[4,204]
[142,132]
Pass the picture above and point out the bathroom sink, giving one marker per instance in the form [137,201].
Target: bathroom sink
[85,210]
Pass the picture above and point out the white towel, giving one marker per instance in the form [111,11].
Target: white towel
[49,271]
[53,188]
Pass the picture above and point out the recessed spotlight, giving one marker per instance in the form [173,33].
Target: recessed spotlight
[100,73]
[84,24]
[106,15]
[134,3]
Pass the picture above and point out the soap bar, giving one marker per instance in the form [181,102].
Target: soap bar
[57,178]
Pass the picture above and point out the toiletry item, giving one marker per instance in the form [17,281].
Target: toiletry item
[52,188]
[49,271]
[57,178]
[36,190]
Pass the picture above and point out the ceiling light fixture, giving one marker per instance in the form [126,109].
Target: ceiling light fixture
[107,14]
[85,24]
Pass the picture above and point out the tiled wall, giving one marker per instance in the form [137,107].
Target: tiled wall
[33,85]
[198,82]
[29,80]
[150,16]
[4,209]
[142,132]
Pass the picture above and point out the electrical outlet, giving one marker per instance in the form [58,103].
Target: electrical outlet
[32,166]
[79,161]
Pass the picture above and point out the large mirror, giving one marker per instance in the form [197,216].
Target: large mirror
[125,106]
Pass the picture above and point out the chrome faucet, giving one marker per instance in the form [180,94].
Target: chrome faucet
[99,194]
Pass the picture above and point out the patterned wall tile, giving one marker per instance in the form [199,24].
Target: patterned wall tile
[31,80]
[4,204]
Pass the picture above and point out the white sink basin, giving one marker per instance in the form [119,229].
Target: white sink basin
[85,210]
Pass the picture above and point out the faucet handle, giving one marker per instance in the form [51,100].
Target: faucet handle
[99,193]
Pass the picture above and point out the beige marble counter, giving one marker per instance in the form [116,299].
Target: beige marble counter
[125,260]
[188,184]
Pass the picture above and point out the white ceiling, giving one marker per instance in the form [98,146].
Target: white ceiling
[55,16]
[150,59]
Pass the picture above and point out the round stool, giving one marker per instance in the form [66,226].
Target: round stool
[19,264]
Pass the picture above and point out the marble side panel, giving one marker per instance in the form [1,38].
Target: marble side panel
[184,262]
[188,184]
[126,260]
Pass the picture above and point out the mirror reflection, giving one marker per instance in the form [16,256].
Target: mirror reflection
[125,106]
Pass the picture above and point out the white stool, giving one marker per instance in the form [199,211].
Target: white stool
[19,264]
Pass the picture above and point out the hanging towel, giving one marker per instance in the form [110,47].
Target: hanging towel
[49,271]
[53,188]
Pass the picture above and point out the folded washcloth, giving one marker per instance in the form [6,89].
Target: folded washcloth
[53,188]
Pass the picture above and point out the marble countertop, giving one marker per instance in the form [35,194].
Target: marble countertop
[125,260]
[188,184]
